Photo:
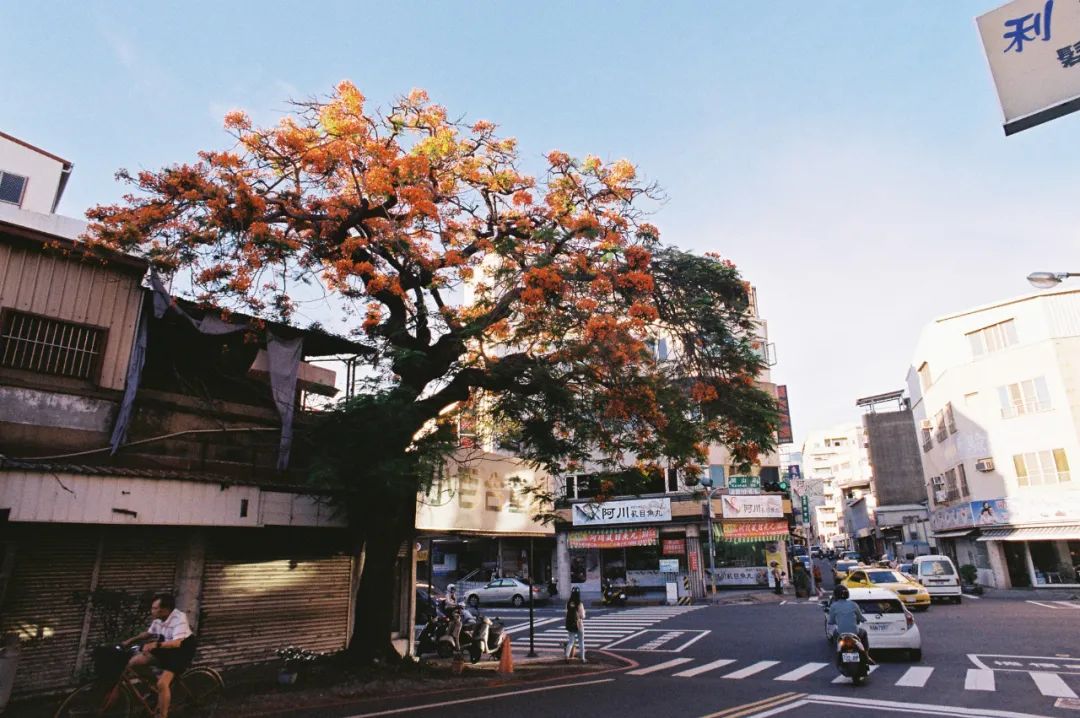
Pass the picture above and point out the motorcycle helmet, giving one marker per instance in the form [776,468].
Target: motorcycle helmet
[841,592]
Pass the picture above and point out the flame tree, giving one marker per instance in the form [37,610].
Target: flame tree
[468,277]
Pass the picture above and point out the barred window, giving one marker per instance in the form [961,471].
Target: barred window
[50,346]
[12,188]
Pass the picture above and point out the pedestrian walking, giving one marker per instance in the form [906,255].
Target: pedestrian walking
[575,624]
[778,578]
[801,580]
[817,575]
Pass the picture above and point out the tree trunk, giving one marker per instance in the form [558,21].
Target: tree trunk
[384,529]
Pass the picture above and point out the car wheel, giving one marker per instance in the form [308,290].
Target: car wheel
[473,601]
[916,654]
[517,601]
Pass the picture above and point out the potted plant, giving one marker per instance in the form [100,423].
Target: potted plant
[969,577]
[295,661]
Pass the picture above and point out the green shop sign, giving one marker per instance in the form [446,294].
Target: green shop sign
[744,482]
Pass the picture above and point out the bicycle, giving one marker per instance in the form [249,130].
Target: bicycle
[195,693]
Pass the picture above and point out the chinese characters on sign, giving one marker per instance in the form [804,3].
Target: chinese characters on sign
[783,429]
[744,482]
[622,512]
[1029,28]
[754,530]
[613,538]
[673,547]
[752,507]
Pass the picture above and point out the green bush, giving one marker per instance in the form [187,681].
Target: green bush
[969,574]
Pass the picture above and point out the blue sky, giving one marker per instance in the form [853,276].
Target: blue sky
[848,156]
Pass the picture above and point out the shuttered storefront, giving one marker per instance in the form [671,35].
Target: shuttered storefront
[55,569]
[265,596]
[51,567]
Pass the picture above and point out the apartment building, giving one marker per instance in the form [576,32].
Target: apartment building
[837,458]
[996,399]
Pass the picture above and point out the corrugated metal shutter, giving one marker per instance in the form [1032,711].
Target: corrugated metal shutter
[51,565]
[252,607]
[138,562]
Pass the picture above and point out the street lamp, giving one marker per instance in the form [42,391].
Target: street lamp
[1048,280]
[707,482]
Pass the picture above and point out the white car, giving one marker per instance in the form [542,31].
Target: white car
[889,625]
[939,576]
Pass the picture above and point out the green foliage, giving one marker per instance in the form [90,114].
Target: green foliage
[969,574]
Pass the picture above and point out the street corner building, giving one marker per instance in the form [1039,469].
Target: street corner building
[994,392]
[146,445]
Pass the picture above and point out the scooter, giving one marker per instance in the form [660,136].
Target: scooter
[852,658]
[613,596]
[459,632]
[430,639]
[488,637]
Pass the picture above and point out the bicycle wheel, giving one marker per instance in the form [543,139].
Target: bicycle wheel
[198,693]
[100,699]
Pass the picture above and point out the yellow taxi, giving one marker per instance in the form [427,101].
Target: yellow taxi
[909,591]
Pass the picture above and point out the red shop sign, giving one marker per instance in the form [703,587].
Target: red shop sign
[614,538]
[673,547]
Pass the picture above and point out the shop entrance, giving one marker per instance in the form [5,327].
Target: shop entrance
[1016,560]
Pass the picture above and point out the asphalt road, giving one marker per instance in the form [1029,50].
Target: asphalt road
[1002,656]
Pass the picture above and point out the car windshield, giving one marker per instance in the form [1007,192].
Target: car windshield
[885,577]
[883,605]
[935,568]
[845,565]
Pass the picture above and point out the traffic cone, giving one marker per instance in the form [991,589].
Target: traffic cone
[506,660]
[458,664]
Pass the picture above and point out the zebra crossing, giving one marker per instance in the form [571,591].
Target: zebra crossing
[601,629]
[1049,684]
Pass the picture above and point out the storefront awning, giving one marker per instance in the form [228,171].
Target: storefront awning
[952,534]
[614,538]
[1033,533]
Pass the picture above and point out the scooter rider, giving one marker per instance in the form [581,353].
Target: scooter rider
[846,615]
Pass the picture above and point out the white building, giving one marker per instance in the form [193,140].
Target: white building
[996,398]
[837,459]
[31,178]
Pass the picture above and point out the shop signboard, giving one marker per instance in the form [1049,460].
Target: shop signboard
[742,576]
[669,565]
[951,517]
[622,512]
[744,482]
[614,538]
[1019,510]
[752,507]
[673,547]
[783,429]
[745,531]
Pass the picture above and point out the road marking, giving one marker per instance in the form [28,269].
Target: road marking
[748,708]
[783,602]
[801,672]
[973,598]
[525,626]
[659,666]
[1051,685]
[1066,604]
[751,670]
[698,670]
[845,679]
[475,699]
[915,677]
[979,679]
[866,704]
[1044,605]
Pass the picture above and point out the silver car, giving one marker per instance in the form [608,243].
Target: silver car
[505,590]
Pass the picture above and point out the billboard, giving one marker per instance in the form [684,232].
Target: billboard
[622,512]
[1033,47]
[783,429]
[752,507]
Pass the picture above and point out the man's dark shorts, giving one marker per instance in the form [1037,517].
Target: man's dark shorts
[175,660]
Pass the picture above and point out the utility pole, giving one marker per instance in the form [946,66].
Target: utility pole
[708,484]
[532,625]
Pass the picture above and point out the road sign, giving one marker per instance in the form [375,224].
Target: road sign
[744,482]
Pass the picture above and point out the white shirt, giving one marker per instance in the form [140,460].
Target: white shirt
[172,628]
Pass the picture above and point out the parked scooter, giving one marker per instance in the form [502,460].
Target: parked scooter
[429,640]
[459,631]
[613,595]
[851,658]
[488,638]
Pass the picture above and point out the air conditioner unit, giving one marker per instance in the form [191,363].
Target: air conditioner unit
[984,465]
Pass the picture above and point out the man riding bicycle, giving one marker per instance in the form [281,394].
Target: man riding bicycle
[169,646]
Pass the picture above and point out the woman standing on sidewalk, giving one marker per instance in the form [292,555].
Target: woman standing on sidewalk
[575,624]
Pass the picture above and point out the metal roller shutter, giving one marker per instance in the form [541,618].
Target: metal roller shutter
[51,565]
[253,607]
[139,563]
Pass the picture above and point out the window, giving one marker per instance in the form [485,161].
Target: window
[661,350]
[50,346]
[941,433]
[961,475]
[716,474]
[927,441]
[924,376]
[1041,468]
[1025,397]
[950,420]
[971,399]
[952,491]
[993,338]
[12,188]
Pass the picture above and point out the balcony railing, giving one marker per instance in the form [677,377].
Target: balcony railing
[1028,407]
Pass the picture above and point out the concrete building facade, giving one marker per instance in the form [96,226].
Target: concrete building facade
[996,400]
[838,458]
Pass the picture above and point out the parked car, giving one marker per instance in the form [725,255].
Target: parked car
[938,574]
[506,590]
[889,626]
[850,556]
[815,552]
[908,569]
[908,590]
[842,567]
